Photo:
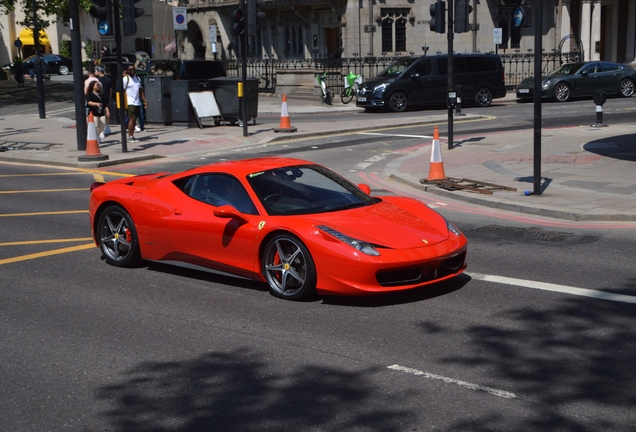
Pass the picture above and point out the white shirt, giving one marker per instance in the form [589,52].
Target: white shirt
[132,86]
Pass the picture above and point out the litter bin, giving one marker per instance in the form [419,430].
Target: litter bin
[226,95]
[181,108]
[157,89]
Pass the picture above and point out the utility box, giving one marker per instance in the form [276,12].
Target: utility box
[159,96]
[226,95]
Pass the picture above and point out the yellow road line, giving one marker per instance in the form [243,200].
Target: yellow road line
[43,190]
[86,170]
[42,174]
[35,242]
[47,253]
[44,213]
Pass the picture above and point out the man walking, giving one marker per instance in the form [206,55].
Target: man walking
[135,96]
[107,94]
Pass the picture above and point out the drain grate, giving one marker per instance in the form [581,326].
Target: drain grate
[524,233]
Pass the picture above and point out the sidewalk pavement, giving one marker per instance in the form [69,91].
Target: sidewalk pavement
[588,173]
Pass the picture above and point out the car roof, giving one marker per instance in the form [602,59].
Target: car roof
[244,167]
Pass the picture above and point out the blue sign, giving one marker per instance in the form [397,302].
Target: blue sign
[103,27]
[519,16]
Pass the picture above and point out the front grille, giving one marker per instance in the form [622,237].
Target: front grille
[421,274]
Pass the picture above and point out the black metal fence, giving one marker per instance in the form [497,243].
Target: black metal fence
[517,66]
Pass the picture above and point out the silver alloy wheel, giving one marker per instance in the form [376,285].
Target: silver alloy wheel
[562,92]
[64,70]
[398,102]
[289,268]
[483,97]
[626,87]
[118,237]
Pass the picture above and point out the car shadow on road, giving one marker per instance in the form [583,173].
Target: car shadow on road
[621,147]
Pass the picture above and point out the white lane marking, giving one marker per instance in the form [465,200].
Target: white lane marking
[396,135]
[496,392]
[583,292]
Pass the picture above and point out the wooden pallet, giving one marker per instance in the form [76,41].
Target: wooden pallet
[453,184]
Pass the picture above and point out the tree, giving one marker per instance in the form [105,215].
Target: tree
[48,8]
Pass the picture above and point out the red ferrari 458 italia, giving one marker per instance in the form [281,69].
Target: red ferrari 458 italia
[293,224]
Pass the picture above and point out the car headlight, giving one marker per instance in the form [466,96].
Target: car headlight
[379,88]
[453,228]
[545,83]
[360,245]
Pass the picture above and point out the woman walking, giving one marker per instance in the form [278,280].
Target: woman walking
[95,104]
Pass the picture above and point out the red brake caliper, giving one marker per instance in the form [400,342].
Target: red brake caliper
[128,235]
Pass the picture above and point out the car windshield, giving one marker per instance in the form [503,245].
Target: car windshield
[397,67]
[567,69]
[306,189]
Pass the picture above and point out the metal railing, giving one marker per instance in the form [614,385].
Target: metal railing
[517,66]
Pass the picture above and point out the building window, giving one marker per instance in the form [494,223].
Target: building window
[294,46]
[387,35]
[393,24]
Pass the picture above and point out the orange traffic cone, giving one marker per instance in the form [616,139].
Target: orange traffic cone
[285,124]
[436,171]
[92,146]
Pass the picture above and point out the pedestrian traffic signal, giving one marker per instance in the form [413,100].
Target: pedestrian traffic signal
[131,13]
[462,10]
[238,21]
[102,11]
[438,19]
[254,14]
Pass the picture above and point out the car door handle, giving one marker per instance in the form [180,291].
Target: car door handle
[177,212]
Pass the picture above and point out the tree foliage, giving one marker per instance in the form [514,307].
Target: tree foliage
[54,10]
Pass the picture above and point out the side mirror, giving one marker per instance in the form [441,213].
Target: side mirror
[228,212]
[415,75]
[365,188]
[584,73]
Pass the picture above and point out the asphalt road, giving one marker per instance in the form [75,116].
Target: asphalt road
[515,344]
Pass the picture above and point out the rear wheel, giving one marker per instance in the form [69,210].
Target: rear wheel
[398,102]
[117,237]
[289,268]
[562,92]
[626,87]
[483,97]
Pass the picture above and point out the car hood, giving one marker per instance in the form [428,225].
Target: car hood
[530,81]
[389,224]
[377,80]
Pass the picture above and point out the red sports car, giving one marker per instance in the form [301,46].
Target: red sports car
[294,224]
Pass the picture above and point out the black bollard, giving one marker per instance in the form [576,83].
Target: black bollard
[599,99]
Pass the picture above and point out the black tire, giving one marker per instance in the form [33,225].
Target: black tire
[328,97]
[398,102]
[562,92]
[483,97]
[346,96]
[626,87]
[117,237]
[289,268]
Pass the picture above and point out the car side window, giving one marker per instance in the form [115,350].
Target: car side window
[609,67]
[591,68]
[218,190]
[424,68]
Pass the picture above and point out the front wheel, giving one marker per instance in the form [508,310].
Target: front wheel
[117,237]
[626,87]
[288,268]
[562,92]
[64,70]
[483,97]
[398,102]
[327,96]
[346,96]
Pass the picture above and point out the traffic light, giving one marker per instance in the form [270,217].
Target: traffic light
[131,13]
[438,18]
[102,10]
[462,9]
[238,20]
[254,13]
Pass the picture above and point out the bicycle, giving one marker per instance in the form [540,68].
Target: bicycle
[325,93]
[351,83]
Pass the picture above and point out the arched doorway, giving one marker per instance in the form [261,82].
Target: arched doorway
[195,47]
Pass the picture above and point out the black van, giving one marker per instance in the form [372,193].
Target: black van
[413,82]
